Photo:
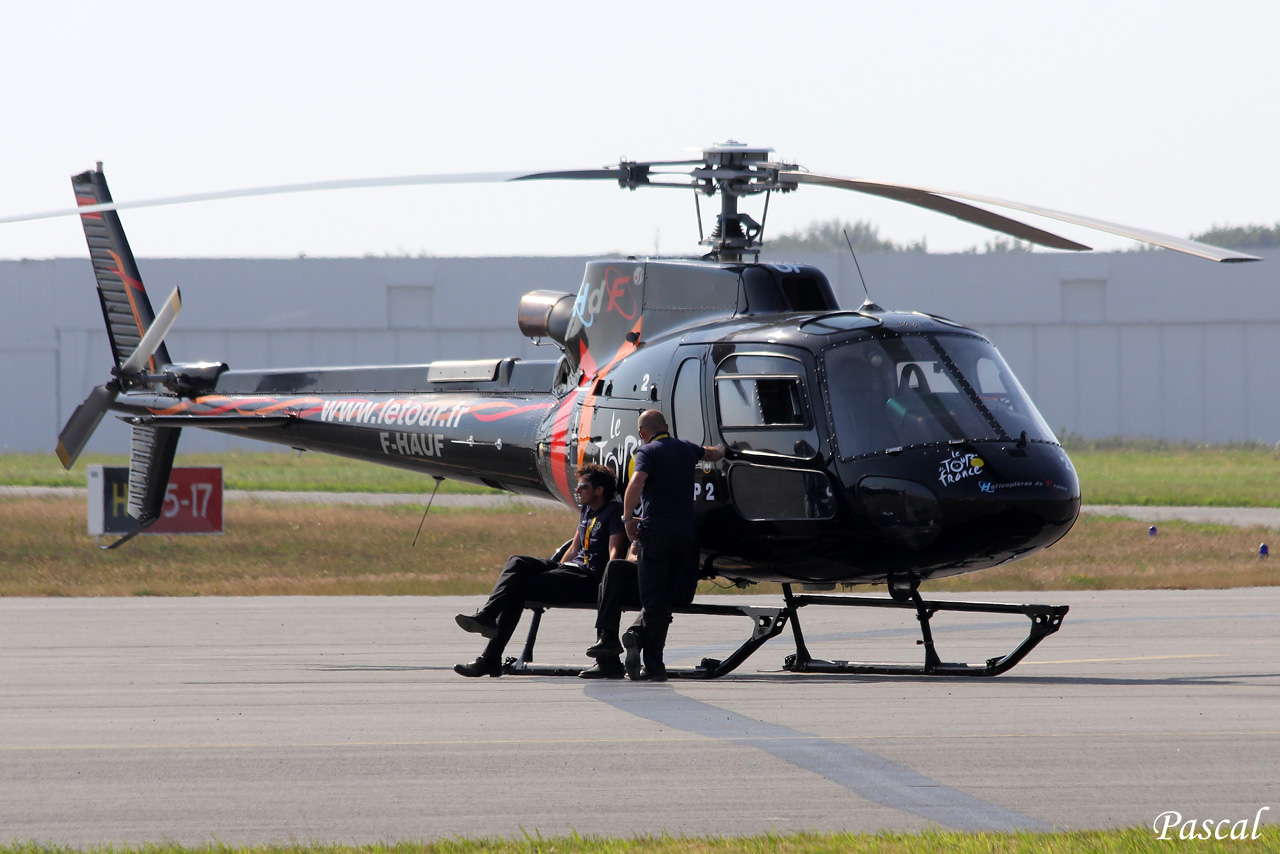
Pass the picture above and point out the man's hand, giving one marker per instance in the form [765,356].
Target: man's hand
[633,529]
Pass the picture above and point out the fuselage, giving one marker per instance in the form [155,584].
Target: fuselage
[873,444]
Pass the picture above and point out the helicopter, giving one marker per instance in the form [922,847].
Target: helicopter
[870,446]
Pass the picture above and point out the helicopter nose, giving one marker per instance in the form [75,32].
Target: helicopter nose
[904,511]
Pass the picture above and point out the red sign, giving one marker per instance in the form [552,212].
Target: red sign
[192,503]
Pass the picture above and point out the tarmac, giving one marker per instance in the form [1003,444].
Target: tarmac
[257,720]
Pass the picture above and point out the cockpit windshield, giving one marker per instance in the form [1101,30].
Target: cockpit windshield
[895,391]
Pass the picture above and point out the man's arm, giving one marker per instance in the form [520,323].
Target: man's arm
[575,549]
[713,453]
[618,546]
[631,503]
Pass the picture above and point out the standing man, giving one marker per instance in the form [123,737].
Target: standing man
[662,488]
[574,581]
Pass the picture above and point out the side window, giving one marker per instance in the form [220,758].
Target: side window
[762,405]
[760,401]
[686,401]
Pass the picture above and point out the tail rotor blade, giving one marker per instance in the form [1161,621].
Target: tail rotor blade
[80,426]
[155,334]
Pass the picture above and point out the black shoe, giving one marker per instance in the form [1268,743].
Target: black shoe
[477,625]
[480,667]
[604,668]
[606,648]
[633,644]
[653,674]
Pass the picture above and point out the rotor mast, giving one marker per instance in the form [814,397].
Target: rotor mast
[733,170]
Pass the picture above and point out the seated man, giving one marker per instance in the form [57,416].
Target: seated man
[574,580]
[619,589]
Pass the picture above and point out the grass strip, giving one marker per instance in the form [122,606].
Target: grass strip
[282,549]
[274,549]
[1134,472]
[255,470]
[1180,475]
[1134,840]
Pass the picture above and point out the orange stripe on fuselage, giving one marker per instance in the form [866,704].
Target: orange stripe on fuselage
[559,451]
[589,402]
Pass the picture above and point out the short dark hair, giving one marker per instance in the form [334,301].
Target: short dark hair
[599,476]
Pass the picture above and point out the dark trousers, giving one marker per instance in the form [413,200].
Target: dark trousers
[533,579]
[667,576]
[619,589]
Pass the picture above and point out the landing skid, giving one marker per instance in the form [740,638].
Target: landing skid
[768,623]
[1045,620]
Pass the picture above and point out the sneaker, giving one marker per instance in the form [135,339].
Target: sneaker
[477,624]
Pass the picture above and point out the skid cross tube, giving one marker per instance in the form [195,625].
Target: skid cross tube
[767,623]
[1045,620]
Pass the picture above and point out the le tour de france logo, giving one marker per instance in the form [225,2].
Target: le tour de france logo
[959,466]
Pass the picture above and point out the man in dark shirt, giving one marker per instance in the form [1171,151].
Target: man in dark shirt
[574,580]
[662,487]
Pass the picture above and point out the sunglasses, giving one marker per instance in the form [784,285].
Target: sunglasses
[582,486]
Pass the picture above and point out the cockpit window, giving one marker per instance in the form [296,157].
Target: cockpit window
[895,391]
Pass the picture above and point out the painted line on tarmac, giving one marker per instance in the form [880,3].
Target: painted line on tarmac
[1131,658]
[862,772]
[665,739]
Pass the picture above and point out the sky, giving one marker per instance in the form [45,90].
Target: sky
[1161,115]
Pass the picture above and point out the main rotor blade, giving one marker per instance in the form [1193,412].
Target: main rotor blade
[80,426]
[927,198]
[154,335]
[347,184]
[931,199]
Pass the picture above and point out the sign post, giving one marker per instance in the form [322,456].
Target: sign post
[192,503]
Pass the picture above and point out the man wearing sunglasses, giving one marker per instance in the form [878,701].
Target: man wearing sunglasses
[574,580]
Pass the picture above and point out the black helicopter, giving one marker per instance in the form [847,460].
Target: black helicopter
[873,446]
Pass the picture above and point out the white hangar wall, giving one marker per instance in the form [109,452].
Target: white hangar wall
[1136,344]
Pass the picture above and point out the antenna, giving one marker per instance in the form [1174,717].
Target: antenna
[439,480]
[845,232]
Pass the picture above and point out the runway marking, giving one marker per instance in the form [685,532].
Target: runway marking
[866,774]
[1131,658]
[260,745]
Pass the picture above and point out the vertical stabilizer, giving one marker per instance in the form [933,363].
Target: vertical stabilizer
[150,463]
[125,305]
